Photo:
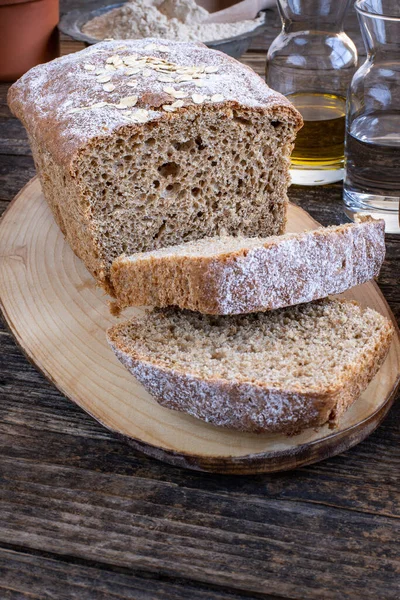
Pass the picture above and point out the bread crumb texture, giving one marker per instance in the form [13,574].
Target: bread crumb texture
[280,371]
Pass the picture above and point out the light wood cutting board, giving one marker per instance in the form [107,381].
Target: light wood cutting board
[59,318]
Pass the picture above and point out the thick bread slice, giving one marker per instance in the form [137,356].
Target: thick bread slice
[230,275]
[279,371]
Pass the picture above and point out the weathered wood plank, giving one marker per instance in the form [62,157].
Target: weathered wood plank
[15,172]
[244,543]
[256,61]
[13,138]
[33,576]
[4,110]
[64,436]
[69,46]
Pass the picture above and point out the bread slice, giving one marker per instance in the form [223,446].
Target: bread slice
[278,371]
[133,155]
[230,275]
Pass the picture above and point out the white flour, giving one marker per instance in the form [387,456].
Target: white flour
[181,20]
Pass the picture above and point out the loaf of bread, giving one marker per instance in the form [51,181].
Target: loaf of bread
[141,144]
[229,275]
[279,371]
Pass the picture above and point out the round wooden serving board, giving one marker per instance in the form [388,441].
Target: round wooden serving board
[59,318]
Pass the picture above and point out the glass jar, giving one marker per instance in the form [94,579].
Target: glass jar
[312,62]
[372,179]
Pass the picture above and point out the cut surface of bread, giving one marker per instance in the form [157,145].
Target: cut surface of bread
[134,155]
[229,275]
[279,371]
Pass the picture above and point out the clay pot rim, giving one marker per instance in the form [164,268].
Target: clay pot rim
[9,2]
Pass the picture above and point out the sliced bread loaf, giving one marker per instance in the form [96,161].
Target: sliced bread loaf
[278,371]
[145,143]
[230,275]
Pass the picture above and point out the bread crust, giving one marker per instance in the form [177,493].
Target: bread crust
[45,99]
[248,406]
[276,272]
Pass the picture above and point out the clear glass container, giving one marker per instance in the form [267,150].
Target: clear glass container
[372,179]
[312,62]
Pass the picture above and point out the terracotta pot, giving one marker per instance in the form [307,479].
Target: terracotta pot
[28,35]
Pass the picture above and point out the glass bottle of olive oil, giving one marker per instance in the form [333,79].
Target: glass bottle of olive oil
[311,62]
[320,143]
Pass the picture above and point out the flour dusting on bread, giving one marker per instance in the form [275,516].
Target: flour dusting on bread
[228,275]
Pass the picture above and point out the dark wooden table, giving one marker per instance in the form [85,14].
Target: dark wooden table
[83,516]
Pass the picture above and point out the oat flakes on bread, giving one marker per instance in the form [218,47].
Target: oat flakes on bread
[229,275]
[140,144]
[279,371]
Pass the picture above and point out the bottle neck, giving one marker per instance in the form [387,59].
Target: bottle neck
[314,15]
[381,36]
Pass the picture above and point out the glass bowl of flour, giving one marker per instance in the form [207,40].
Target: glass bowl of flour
[181,20]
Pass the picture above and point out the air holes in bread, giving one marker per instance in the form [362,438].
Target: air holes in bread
[169,169]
